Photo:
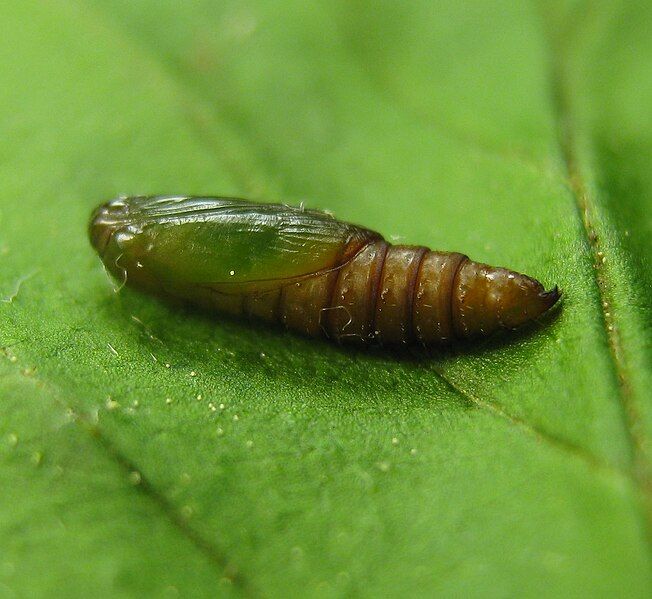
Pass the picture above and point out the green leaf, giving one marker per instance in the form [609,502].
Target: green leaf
[146,450]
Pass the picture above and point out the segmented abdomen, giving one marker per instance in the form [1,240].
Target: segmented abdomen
[388,294]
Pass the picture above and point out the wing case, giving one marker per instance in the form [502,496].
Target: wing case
[231,244]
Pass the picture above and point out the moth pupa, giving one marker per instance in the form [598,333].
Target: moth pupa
[308,271]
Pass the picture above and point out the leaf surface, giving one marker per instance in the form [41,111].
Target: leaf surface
[148,450]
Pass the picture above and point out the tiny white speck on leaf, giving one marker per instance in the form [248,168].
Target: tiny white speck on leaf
[111,404]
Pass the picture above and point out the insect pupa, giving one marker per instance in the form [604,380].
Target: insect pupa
[308,271]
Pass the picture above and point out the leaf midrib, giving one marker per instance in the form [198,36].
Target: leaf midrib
[561,93]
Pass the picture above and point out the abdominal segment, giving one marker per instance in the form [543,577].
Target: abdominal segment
[384,294]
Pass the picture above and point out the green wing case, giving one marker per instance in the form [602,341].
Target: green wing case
[231,244]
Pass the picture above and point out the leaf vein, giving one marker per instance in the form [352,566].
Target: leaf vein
[220,561]
[544,436]
[586,205]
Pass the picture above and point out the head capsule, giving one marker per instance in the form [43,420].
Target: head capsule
[117,232]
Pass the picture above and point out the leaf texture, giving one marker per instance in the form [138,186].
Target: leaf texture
[151,450]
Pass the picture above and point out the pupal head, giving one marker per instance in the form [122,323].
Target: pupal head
[116,231]
[105,221]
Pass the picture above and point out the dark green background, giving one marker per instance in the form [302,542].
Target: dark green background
[517,132]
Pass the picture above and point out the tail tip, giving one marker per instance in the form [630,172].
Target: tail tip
[550,298]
